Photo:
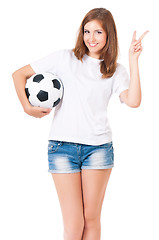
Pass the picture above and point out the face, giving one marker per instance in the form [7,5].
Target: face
[94,38]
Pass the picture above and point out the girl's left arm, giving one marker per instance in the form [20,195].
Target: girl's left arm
[132,96]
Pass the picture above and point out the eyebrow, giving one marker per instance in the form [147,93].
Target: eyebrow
[94,30]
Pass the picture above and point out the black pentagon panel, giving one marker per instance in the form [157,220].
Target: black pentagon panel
[38,78]
[56,103]
[42,96]
[56,84]
[27,92]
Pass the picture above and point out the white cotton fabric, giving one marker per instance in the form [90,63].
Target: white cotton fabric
[81,116]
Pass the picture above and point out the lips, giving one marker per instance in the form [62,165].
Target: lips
[93,44]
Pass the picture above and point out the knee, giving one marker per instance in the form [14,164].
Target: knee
[74,231]
[91,219]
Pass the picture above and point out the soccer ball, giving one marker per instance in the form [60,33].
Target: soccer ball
[44,90]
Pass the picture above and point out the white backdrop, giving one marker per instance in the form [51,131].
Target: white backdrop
[29,206]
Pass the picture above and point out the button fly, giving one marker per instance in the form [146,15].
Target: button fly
[79,152]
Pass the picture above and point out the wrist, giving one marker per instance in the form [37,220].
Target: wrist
[27,108]
[133,58]
[133,62]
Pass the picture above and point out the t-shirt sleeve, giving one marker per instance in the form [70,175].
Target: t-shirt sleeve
[121,80]
[48,63]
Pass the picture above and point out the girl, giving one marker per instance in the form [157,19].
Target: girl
[80,148]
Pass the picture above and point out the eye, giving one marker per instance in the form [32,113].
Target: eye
[86,31]
[99,32]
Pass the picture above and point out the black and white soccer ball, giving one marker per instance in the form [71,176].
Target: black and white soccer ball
[44,90]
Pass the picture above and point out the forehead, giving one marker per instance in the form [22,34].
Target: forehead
[94,24]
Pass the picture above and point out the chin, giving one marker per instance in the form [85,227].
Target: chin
[97,52]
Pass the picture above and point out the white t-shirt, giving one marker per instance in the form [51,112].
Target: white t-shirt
[81,116]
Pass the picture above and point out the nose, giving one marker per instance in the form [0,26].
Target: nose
[92,37]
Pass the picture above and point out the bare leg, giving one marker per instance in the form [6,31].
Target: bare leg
[94,183]
[68,186]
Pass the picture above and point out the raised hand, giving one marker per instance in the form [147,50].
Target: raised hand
[136,45]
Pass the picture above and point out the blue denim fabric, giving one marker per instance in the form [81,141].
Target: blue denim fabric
[69,157]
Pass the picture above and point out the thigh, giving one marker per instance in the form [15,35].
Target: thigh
[94,183]
[69,192]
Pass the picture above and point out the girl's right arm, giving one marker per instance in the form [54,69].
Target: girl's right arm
[20,77]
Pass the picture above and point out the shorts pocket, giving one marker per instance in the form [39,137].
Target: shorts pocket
[108,146]
[53,146]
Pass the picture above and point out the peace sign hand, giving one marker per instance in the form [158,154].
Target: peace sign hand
[136,47]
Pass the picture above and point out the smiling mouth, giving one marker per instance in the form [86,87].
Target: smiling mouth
[93,44]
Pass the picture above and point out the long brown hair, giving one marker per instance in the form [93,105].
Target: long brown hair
[110,51]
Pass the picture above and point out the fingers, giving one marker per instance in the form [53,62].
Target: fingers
[45,110]
[143,35]
[134,41]
[136,44]
[134,37]
[138,48]
[40,112]
[41,109]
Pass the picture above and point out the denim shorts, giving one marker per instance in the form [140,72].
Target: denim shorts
[69,157]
